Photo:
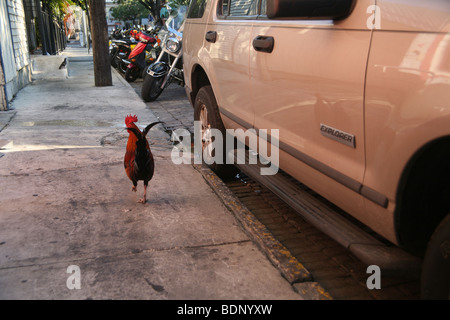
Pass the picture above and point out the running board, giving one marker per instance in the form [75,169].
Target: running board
[392,260]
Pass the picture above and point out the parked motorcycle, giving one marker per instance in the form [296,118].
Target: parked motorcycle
[119,50]
[140,57]
[169,65]
[117,34]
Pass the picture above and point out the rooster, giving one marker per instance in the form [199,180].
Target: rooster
[138,161]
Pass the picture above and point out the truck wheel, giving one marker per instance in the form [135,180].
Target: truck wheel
[151,88]
[207,112]
[435,282]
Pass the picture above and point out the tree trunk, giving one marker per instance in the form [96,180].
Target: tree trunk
[100,45]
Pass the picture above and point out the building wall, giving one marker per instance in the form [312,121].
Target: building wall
[15,56]
[3,101]
[109,4]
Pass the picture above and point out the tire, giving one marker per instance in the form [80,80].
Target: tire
[122,67]
[151,88]
[117,61]
[131,74]
[144,72]
[435,282]
[114,60]
[207,112]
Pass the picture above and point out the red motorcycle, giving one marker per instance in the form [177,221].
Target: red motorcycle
[139,58]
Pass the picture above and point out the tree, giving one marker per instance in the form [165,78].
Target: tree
[152,5]
[129,10]
[83,4]
[177,3]
[99,30]
[58,8]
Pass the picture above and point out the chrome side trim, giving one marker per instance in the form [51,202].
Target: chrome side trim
[323,168]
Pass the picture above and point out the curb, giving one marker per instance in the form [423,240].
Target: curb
[121,79]
[290,268]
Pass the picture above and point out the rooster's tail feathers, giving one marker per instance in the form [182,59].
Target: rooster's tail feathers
[147,128]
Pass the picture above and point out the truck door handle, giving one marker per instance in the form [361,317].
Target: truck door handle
[263,44]
[211,36]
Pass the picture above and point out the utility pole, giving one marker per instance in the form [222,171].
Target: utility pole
[100,45]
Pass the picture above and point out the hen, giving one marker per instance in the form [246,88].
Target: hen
[138,162]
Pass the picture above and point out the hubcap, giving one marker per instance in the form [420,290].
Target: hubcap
[205,133]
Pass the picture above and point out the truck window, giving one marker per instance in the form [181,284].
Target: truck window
[237,8]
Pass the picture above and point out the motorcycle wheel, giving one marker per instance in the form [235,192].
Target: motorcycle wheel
[151,88]
[114,60]
[144,72]
[118,62]
[131,74]
[122,67]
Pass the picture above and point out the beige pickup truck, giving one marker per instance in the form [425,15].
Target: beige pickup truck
[359,91]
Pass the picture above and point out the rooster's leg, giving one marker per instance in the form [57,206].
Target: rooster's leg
[144,199]
[133,188]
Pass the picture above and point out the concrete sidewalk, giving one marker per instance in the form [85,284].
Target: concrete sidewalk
[66,200]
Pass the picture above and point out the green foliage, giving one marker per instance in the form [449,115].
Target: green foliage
[129,10]
[155,5]
[57,8]
[151,5]
[83,4]
[177,3]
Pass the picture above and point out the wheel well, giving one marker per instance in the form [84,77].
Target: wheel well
[423,197]
[198,80]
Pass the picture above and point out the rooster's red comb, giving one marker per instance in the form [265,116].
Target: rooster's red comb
[130,119]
